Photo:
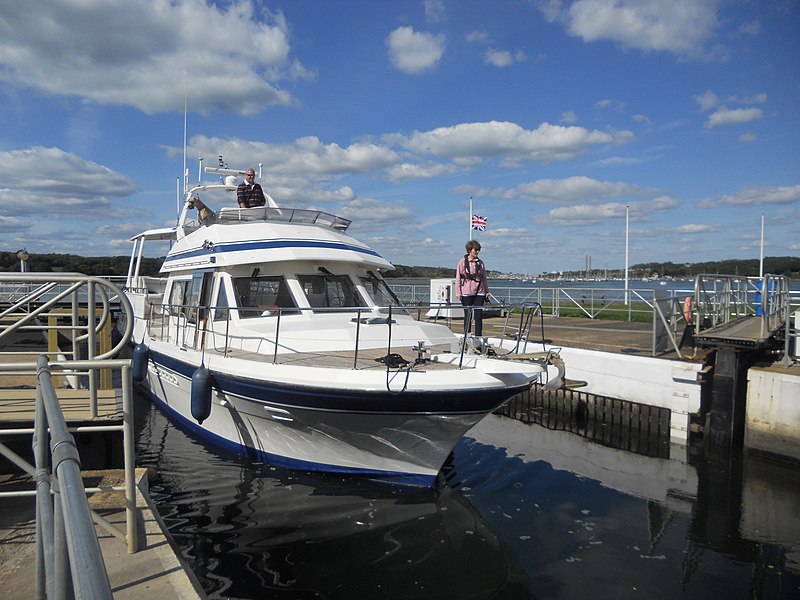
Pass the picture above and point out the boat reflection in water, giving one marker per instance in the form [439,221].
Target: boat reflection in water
[253,531]
[520,511]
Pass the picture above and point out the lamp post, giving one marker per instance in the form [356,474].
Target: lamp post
[627,222]
[23,257]
[761,258]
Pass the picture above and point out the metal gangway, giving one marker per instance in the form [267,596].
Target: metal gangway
[68,559]
[740,311]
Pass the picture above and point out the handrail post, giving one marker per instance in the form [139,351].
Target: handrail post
[358,333]
[787,325]
[88,571]
[91,348]
[44,505]
[277,333]
[129,453]
[61,580]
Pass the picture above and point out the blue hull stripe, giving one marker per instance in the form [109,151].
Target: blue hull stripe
[223,248]
[467,401]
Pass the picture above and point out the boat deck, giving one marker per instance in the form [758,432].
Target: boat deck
[373,358]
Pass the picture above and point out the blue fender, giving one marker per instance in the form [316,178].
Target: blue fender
[201,394]
[141,356]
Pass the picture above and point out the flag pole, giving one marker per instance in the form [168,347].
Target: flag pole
[469,220]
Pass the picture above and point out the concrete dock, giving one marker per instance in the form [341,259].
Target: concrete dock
[155,571]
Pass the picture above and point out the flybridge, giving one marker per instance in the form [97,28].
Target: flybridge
[271,212]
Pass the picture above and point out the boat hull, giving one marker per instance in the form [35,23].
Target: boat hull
[403,436]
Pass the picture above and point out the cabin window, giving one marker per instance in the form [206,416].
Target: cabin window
[196,298]
[330,291]
[263,296]
[177,296]
[380,292]
[221,305]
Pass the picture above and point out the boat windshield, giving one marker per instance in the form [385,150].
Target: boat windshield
[262,296]
[330,291]
[381,293]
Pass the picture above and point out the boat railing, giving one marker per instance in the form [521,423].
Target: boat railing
[191,328]
[303,216]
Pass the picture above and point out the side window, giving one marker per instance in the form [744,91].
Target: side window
[177,296]
[261,296]
[192,298]
[221,310]
[330,291]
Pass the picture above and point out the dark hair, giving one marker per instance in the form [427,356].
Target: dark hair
[472,244]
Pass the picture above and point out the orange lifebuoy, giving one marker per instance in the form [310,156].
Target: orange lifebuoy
[687,310]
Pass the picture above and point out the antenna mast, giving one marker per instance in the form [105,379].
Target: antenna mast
[185,111]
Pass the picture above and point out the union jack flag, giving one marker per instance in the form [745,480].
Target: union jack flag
[479,222]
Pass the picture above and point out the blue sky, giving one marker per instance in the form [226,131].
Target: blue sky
[555,116]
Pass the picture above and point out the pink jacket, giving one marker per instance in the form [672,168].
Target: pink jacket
[472,282]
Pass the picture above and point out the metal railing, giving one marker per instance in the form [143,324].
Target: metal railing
[716,299]
[723,299]
[591,302]
[64,526]
[182,325]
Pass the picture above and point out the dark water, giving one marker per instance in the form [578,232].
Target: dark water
[520,512]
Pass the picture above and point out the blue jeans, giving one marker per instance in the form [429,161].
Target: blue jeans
[476,301]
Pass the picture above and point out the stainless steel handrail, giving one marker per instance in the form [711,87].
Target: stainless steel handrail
[48,294]
[160,326]
[88,574]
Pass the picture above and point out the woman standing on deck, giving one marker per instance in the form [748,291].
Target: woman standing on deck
[472,286]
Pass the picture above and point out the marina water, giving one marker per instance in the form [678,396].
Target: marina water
[520,511]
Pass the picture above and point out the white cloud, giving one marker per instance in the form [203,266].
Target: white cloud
[414,52]
[307,156]
[408,171]
[707,100]
[502,58]
[507,232]
[10,224]
[748,137]
[576,189]
[69,186]
[697,228]
[369,210]
[682,27]
[569,117]
[754,196]
[498,58]
[751,28]
[586,214]
[477,37]
[134,53]
[435,11]
[732,116]
[606,104]
[508,140]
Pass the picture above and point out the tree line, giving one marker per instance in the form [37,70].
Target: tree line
[118,265]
